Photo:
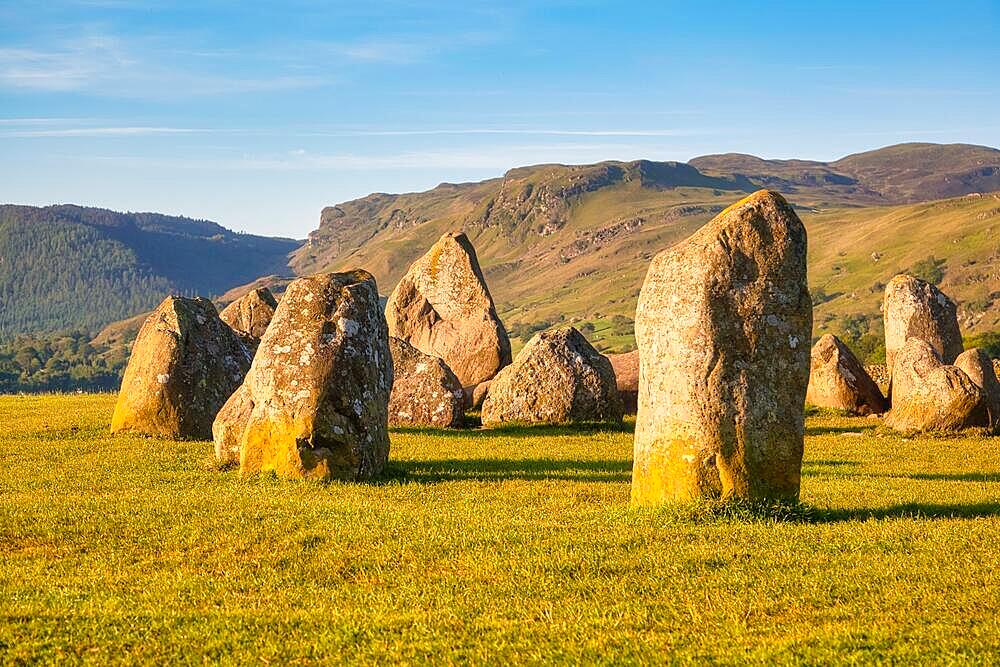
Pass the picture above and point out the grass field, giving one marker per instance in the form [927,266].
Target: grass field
[511,545]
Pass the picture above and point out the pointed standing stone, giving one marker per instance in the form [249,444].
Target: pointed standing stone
[443,308]
[723,327]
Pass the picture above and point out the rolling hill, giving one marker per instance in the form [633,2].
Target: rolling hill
[74,267]
[573,242]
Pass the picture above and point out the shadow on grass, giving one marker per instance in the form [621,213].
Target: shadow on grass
[518,430]
[860,429]
[494,470]
[733,511]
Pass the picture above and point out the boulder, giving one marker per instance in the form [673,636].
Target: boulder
[557,377]
[249,315]
[928,395]
[913,308]
[979,367]
[424,390]
[723,326]
[478,394]
[627,378]
[443,308]
[879,373]
[838,380]
[315,402]
[185,364]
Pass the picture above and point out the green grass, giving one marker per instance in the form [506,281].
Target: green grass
[508,545]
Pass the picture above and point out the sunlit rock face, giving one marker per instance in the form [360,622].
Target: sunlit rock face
[315,402]
[723,327]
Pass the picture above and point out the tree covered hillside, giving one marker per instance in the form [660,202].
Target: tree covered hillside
[74,267]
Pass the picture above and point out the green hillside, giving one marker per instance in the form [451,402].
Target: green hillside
[572,243]
[73,267]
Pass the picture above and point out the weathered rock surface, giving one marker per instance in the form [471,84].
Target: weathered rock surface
[315,402]
[928,395]
[627,378]
[838,380]
[249,315]
[443,308]
[557,377]
[424,390]
[479,393]
[185,364]
[879,373]
[913,308]
[723,327]
[980,369]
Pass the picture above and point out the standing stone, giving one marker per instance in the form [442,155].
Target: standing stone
[979,367]
[838,380]
[185,363]
[913,308]
[424,390]
[627,378]
[557,377]
[315,402]
[249,315]
[443,308]
[928,395]
[723,327]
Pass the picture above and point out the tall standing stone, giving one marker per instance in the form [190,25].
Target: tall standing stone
[913,308]
[838,380]
[315,402]
[723,327]
[443,308]
[185,364]
[250,315]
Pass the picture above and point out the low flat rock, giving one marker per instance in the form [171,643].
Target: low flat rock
[557,377]
[315,402]
[980,369]
[185,364]
[424,390]
[838,380]
[929,395]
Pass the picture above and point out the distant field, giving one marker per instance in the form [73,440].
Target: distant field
[512,545]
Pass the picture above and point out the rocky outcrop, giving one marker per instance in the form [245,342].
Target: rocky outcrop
[838,380]
[315,402]
[913,308]
[185,363]
[627,378]
[723,327]
[928,395]
[424,390]
[249,315]
[443,308]
[557,377]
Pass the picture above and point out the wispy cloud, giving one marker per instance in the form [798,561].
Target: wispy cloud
[102,132]
[114,67]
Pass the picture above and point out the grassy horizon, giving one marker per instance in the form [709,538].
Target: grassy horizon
[506,545]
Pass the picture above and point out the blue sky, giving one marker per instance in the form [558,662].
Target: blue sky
[257,115]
